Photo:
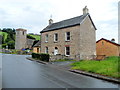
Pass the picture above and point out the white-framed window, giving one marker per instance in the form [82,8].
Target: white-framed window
[46,49]
[67,50]
[55,37]
[46,38]
[67,36]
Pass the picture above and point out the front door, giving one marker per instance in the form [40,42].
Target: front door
[55,51]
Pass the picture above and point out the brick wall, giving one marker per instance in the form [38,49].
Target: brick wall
[107,48]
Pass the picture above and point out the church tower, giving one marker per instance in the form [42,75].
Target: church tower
[21,39]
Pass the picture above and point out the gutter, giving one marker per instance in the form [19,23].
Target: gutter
[32,59]
[96,76]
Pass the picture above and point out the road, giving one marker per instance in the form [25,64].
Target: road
[18,72]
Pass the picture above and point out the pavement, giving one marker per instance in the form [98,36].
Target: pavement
[66,66]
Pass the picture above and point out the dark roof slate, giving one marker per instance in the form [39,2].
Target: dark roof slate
[66,23]
[37,44]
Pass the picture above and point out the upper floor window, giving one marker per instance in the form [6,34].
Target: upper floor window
[55,37]
[46,38]
[67,36]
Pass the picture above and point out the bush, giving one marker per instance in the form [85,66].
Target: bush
[41,56]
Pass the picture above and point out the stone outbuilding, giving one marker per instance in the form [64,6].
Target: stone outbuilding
[36,47]
[107,47]
[74,38]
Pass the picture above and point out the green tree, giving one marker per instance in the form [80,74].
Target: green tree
[11,44]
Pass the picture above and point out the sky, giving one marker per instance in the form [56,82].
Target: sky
[33,15]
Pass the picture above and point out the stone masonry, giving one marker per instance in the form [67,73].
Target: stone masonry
[21,39]
[82,37]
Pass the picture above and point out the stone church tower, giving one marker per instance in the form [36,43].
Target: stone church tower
[21,39]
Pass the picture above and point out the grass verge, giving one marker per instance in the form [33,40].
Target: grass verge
[37,37]
[107,67]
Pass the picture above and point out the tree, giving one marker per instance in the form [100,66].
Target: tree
[11,44]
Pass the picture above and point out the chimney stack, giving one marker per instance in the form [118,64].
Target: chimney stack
[50,21]
[113,40]
[85,10]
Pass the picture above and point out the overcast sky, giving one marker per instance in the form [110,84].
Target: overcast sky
[33,15]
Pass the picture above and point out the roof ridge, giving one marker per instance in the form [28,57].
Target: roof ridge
[67,19]
[65,23]
[108,41]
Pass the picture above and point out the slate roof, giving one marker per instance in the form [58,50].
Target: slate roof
[37,44]
[66,23]
[30,41]
[108,41]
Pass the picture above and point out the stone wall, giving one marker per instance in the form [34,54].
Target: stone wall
[61,44]
[36,49]
[87,39]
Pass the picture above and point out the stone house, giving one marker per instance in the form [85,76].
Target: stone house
[107,47]
[74,38]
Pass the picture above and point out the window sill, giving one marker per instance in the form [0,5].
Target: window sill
[67,55]
[46,41]
[67,40]
[55,41]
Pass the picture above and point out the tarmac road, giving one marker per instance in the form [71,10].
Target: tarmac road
[18,72]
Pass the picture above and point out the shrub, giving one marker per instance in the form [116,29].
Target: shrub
[41,56]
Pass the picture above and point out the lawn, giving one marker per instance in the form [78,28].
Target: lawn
[107,67]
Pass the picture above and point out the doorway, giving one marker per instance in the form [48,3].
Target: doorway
[55,51]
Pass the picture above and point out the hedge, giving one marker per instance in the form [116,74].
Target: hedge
[41,56]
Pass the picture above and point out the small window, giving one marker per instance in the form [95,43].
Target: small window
[55,37]
[67,36]
[67,51]
[46,49]
[46,38]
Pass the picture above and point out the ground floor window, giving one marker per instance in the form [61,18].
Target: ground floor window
[67,51]
[46,49]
